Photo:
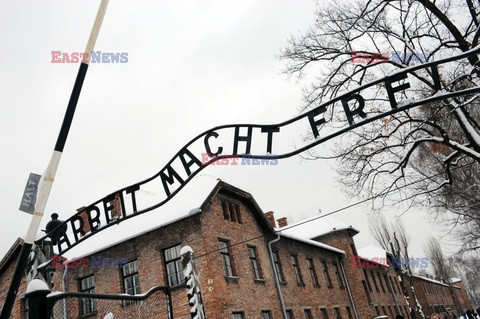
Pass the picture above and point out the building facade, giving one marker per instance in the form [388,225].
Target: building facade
[248,266]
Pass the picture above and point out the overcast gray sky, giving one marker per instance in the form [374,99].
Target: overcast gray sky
[192,65]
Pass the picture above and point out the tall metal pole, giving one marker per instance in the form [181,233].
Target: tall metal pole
[49,175]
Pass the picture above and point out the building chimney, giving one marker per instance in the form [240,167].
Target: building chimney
[271,219]
[83,214]
[282,222]
[117,208]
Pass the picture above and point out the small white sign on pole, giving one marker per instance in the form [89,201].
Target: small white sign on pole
[30,194]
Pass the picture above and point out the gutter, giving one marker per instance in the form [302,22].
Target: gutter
[348,287]
[275,274]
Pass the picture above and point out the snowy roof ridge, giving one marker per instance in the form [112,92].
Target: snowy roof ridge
[374,254]
[431,280]
[185,204]
[316,226]
[312,242]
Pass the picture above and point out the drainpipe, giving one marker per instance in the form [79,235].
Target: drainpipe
[348,287]
[63,283]
[275,274]
[389,282]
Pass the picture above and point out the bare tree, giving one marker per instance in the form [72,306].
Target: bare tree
[430,155]
[466,268]
[395,239]
[438,260]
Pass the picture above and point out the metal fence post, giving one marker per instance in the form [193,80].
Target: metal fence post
[37,304]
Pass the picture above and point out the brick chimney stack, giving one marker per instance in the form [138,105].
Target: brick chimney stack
[282,222]
[86,225]
[271,218]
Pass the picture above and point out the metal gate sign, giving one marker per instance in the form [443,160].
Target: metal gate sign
[257,142]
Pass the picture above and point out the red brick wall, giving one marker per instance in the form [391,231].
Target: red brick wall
[5,280]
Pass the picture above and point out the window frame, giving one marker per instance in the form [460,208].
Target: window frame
[255,263]
[338,274]
[308,313]
[227,260]
[313,272]
[324,313]
[132,275]
[278,266]
[296,270]
[238,313]
[326,273]
[338,314]
[177,262]
[92,303]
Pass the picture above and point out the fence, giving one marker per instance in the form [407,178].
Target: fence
[156,303]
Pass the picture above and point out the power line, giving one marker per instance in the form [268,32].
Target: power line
[333,212]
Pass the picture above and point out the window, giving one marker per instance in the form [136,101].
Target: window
[367,291]
[313,273]
[266,314]
[326,273]
[252,254]
[394,289]
[238,315]
[226,259]
[367,280]
[231,211]
[87,305]
[26,309]
[289,314]
[296,269]
[384,311]
[131,282]
[381,282]
[374,281]
[398,285]
[308,314]
[385,277]
[337,313]
[349,312]
[391,312]
[338,275]
[174,267]
[278,266]
[324,313]
[377,310]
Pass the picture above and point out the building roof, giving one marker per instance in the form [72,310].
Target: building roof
[193,199]
[373,253]
[316,226]
[11,253]
[186,203]
[430,280]
[312,242]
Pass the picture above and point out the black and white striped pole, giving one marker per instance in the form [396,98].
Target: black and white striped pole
[49,174]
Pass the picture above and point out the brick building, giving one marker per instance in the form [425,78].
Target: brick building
[237,254]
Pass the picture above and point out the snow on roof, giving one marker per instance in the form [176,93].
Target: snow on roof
[374,254]
[430,280]
[454,280]
[311,242]
[315,226]
[186,203]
